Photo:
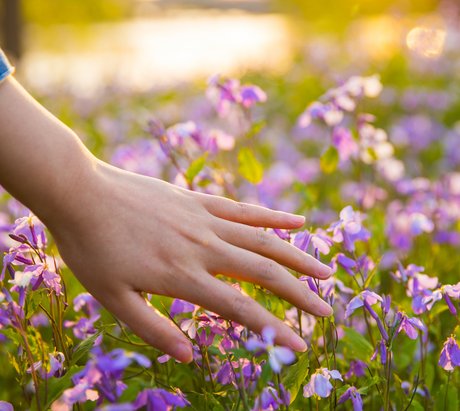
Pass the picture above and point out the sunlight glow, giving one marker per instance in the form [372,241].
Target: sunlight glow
[426,41]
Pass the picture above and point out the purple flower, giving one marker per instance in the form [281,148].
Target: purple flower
[344,142]
[181,307]
[16,255]
[227,92]
[446,292]
[117,407]
[410,326]
[6,406]
[450,355]
[84,327]
[349,228]
[87,303]
[277,356]
[377,319]
[347,263]
[270,399]
[380,350]
[419,286]
[39,320]
[32,229]
[54,368]
[386,304]
[118,359]
[357,368]
[404,274]
[318,240]
[404,223]
[250,95]
[230,373]
[101,377]
[350,222]
[352,394]
[319,383]
[330,113]
[158,399]
[36,275]
[367,296]
[143,156]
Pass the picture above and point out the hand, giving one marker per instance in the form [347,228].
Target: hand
[131,234]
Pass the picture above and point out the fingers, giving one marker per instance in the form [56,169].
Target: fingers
[247,266]
[155,329]
[250,214]
[230,303]
[271,246]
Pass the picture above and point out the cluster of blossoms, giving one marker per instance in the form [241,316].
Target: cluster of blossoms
[38,268]
[337,110]
[84,326]
[101,380]
[26,268]
[338,101]
[370,236]
[227,92]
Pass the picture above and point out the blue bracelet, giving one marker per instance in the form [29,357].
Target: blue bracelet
[5,67]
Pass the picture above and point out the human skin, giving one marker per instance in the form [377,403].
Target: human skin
[122,234]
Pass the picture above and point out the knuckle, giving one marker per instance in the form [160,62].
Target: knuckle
[241,307]
[299,258]
[267,270]
[262,237]
[242,208]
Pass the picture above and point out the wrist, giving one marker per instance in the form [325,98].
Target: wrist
[70,179]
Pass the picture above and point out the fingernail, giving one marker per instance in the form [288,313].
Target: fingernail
[324,271]
[297,219]
[324,309]
[297,343]
[183,352]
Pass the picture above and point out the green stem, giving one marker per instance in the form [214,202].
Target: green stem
[240,385]
[447,391]
[204,353]
[278,381]
[387,404]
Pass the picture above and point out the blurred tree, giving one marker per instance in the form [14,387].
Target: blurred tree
[11,25]
[336,14]
[49,12]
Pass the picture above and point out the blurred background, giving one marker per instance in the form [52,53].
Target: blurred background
[87,45]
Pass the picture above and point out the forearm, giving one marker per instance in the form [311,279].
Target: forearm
[42,161]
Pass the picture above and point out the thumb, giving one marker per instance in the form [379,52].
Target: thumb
[150,325]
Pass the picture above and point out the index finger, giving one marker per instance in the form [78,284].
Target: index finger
[250,214]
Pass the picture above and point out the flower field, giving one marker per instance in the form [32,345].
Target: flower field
[372,161]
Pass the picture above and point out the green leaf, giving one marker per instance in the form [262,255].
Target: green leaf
[357,345]
[370,382]
[249,167]
[416,406]
[83,348]
[272,303]
[370,277]
[446,400]
[195,167]
[266,373]
[438,309]
[400,397]
[296,375]
[430,372]
[33,303]
[256,128]
[329,160]
[56,386]
[238,353]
